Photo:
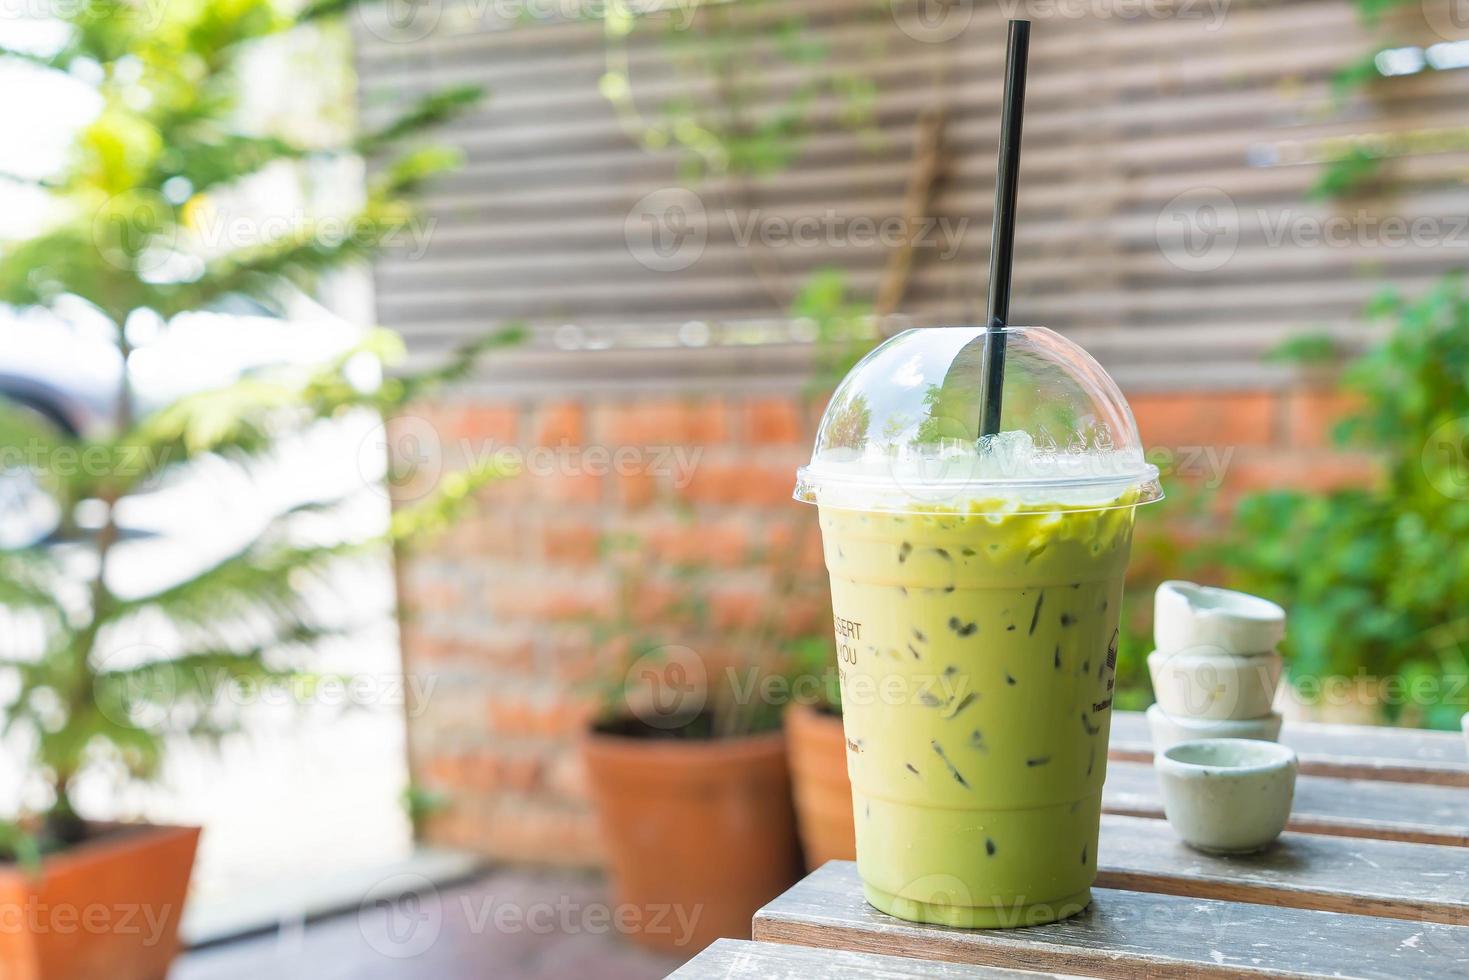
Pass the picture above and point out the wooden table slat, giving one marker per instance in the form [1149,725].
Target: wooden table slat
[1417,882]
[739,959]
[1342,807]
[1128,934]
[1402,755]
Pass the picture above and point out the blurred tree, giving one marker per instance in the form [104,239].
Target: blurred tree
[1369,573]
[1374,577]
[168,144]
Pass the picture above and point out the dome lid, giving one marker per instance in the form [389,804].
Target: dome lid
[901,432]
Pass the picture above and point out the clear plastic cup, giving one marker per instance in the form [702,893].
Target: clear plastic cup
[976,592]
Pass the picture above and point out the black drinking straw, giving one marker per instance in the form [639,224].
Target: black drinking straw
[1002,236]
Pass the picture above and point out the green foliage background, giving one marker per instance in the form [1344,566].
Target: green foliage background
[1375,577]
[169,136]
[1372,577]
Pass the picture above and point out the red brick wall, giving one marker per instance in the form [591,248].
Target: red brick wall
[502,614]
[1260,439]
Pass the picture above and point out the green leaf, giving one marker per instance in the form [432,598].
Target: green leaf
[1372,11]
[1348,175]
[418,523]
[1306,349]
[432,110]
[263,583]
[21,846]
[1353,76]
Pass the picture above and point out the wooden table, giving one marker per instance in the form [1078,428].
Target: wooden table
[1371,881]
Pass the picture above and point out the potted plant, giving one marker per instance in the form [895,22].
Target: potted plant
[98,678]
[818,758]
[686,763]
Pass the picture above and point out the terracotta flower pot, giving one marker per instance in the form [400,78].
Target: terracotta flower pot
[699,834]
[818,754]
[109,907]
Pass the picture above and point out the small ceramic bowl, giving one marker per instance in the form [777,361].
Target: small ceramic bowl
[1187,616]
[1213,685]
[1168,730]
[1227,795]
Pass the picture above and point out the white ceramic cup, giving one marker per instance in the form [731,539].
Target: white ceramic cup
[1188,616]
[1214,686]
[1227,795]
[1168,730]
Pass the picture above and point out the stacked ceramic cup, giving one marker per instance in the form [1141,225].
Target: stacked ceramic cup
[1215,668]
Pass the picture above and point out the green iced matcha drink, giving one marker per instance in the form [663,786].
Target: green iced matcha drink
[976,655]
[976,583]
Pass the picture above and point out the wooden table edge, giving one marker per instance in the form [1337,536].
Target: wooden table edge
[725,946]
[1333,827]
[1100,963]
[1283,896]
[1281,893]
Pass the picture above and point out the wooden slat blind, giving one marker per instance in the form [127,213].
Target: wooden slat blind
[1124,114]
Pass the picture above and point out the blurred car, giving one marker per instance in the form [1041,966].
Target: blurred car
[63,369]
